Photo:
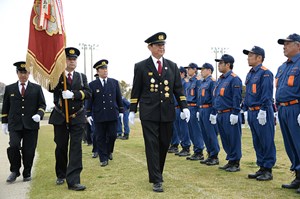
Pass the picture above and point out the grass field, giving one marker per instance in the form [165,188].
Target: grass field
[127,177]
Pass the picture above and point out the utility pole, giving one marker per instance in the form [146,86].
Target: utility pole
[92,47]
[218,50]
[84,47]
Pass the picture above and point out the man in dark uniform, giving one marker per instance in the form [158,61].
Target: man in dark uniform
[155,81]
[23,108]
[260,114]
[287,82]
[104,108]
[76,93]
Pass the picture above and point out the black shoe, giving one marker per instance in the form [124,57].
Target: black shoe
[125,137]
[212,161]
[173,149]
[196,156]
[229,164]
[267,175]
[157,187]
[12,177]
[60,181]
[256,174]
[103,164]
[204,161]
[26,179]
[233,168]
[76,187]
[95,155]
[298,190]
[295,184]
[110,157]
[119,136]
[184,152]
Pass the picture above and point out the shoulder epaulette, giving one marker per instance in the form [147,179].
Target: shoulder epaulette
[233,75]
[213,79]
[263,68]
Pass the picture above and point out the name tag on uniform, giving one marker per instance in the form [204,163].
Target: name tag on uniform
[150,73]
[12,94]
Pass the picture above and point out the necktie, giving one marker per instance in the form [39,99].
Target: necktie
[23,89]
[159,69]
[69,78]
[104,84]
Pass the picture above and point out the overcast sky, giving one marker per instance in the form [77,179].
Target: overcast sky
[119,28]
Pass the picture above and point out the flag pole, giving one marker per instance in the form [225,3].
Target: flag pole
[66,100]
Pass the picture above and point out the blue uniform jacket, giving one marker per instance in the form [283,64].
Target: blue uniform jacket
[228,93]
[105,104]
[205,90]
[287,80]
[259,88]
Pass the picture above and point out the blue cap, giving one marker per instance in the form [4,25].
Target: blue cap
[207,66]
[290,38]
[256,50]
[101,64]
[226,58]
[193,65]
[158,38]
[182,69]
[72,52]
[20,66]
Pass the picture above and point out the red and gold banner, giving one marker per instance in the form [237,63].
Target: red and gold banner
[46,57]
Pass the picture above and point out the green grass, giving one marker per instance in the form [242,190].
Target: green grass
[127,177]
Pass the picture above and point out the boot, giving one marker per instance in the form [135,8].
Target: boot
[294,184]
[267,175]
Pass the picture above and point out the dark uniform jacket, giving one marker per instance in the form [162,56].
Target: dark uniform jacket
[17,111]
[105,104]
[154,93]
[76,110]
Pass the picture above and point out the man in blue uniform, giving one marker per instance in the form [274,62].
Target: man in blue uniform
[68,136]
[156,80]
[105,107]
[193,125]
[22,109]
[287,82]
[227,100]
[205,89]
[258,104]
[123,121]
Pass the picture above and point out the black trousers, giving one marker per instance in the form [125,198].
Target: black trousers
[106,134]
[72,167]
[22,145]
[157,138]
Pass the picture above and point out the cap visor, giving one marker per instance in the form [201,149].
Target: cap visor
[218,60]
[246,52]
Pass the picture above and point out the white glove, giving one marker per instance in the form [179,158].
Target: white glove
[197,116]
[298,119]
[89,120]
[36,118]
[5,129]
[213,119]
[187,114]
[262,117]
[233,119]
[246,116]
[182,115]
[67,94]
[131,117]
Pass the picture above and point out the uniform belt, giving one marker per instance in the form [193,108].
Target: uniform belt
[192,104]
[177,106]
[70,116]
[205,105]
[254,108]
[225,110]
[289,103]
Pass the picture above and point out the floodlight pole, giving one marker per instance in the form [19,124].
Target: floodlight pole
[218,50]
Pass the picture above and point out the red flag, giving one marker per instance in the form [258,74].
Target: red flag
[46,57]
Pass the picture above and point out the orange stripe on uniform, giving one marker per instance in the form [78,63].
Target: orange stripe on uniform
[192,92]
[276,82]
[203,92]
[222,91]
[253,88]
[291,80]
